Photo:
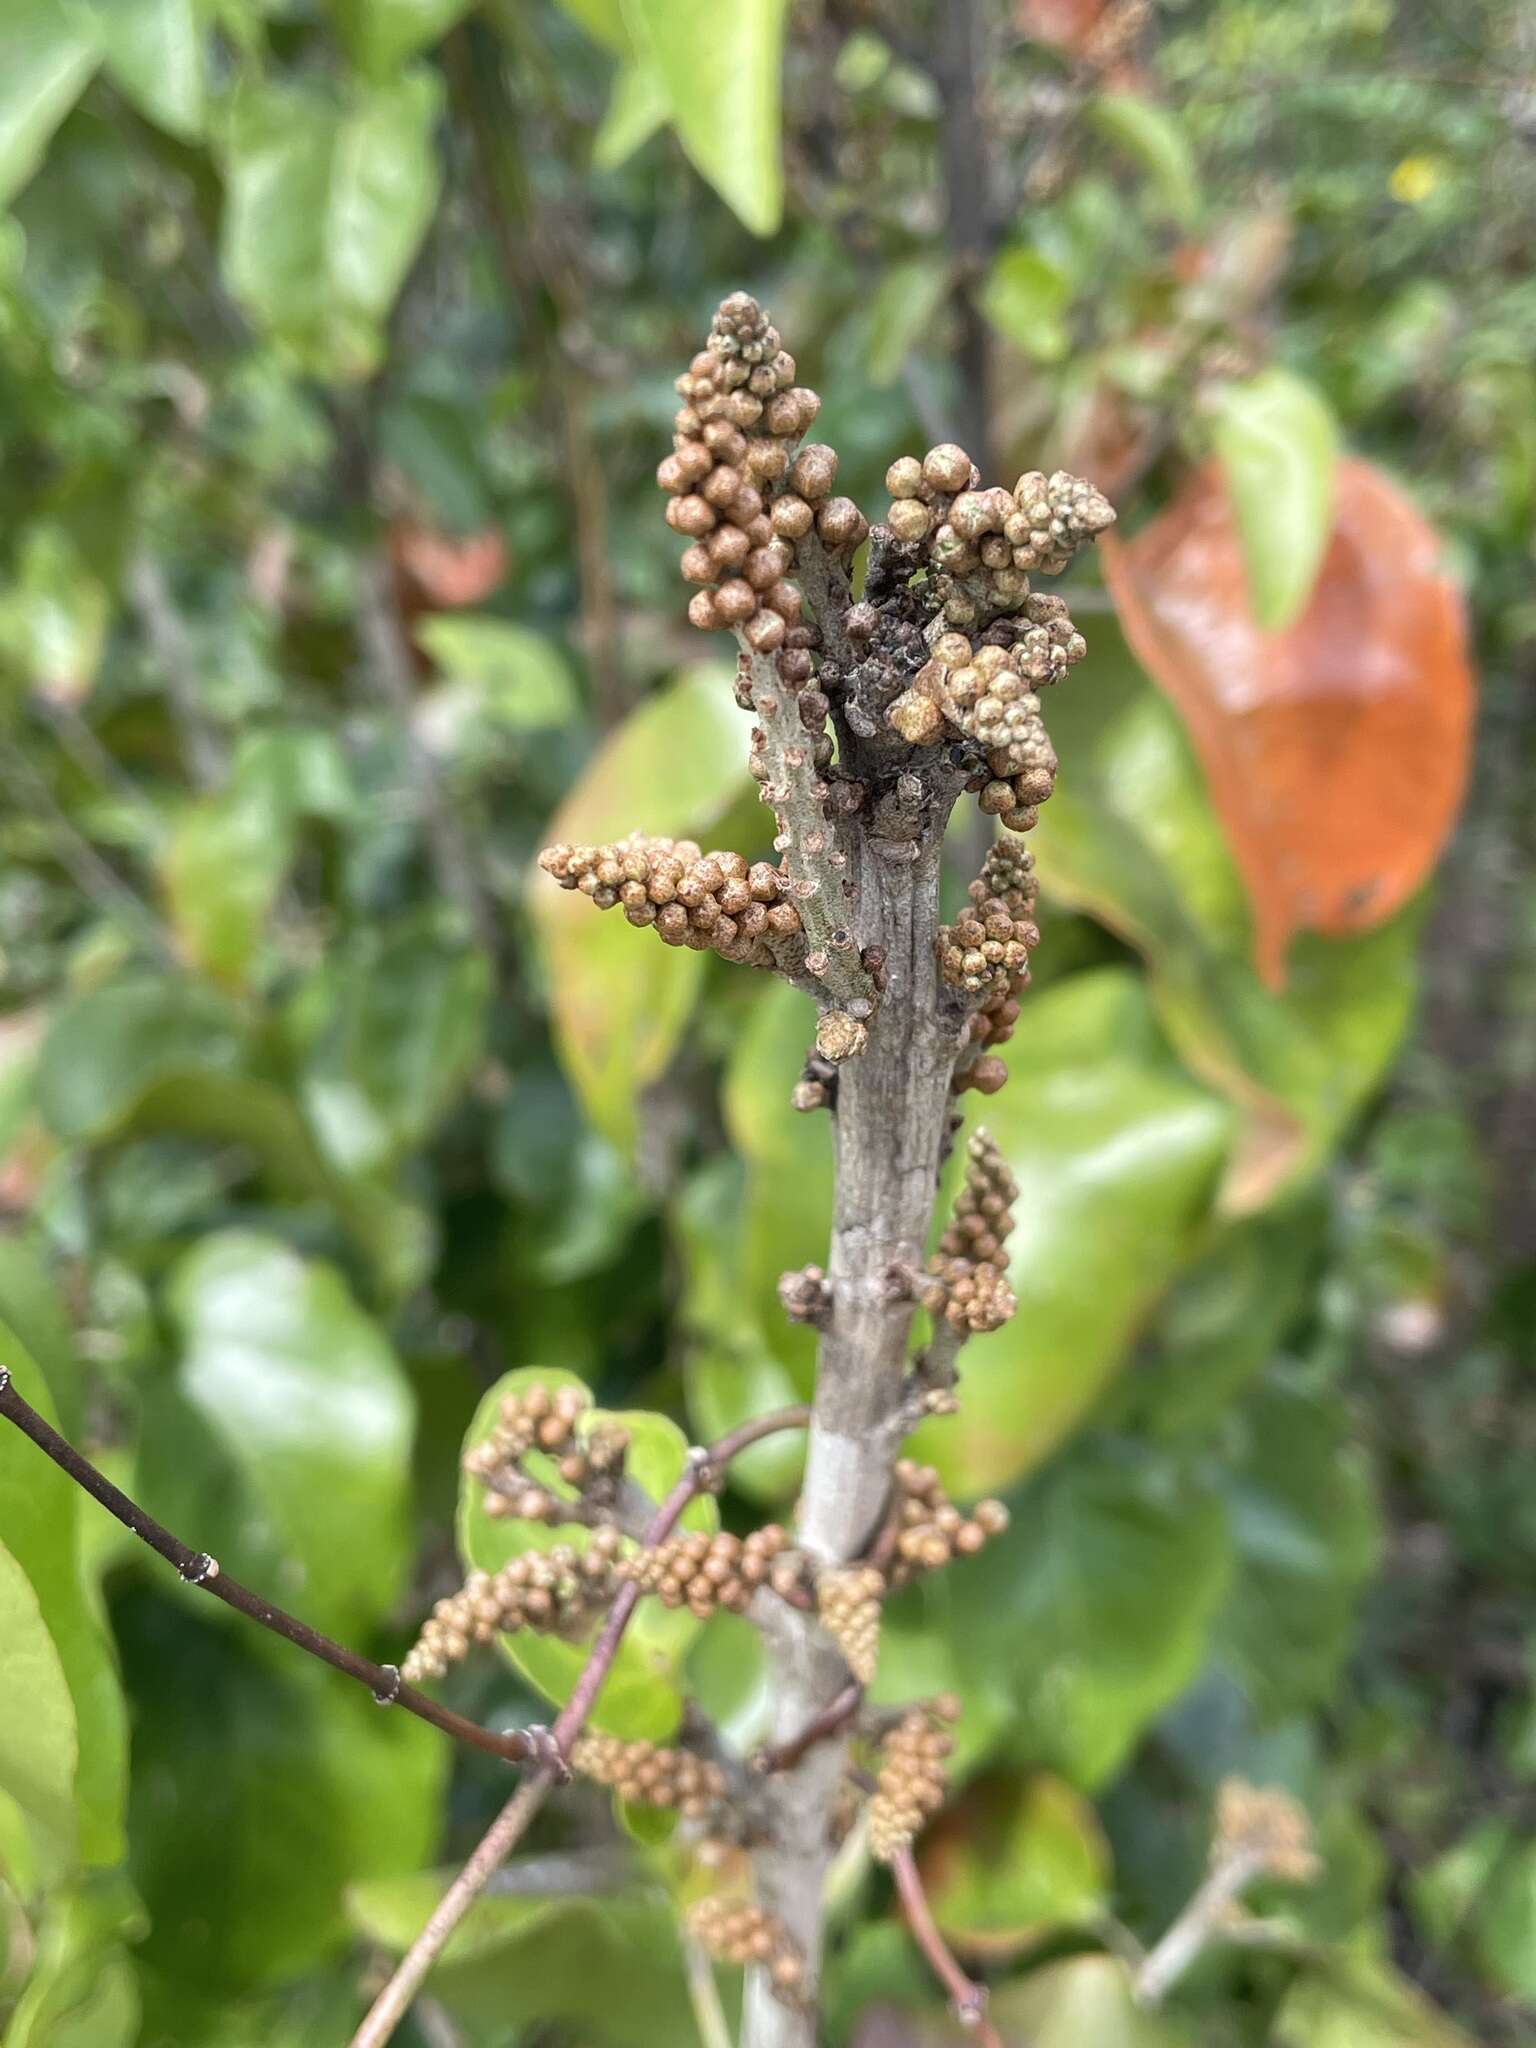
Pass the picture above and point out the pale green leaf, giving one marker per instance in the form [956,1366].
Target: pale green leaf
[1278,442]
[519,678]
[1155,136]
[381,35]
[1026,296]
[910,296]
[720,67]
[637,107]
[154,55]
[54,615]
[50,52]
[39,1745]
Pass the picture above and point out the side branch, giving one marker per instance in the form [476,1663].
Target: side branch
[197,1568]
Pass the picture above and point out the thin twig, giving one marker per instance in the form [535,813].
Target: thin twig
[831,1721]
[703,1470]
[704,1995]
[197,1568]
[968,1999]
[1198,1924]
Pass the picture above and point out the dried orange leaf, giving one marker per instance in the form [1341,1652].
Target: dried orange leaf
[1336,750]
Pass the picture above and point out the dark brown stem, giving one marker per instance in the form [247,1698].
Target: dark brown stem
[832,1720]
[197,1568]
[968,1999]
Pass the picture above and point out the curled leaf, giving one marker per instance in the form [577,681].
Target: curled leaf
[1336,751]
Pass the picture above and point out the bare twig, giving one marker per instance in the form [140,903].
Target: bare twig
[968,1999]
[832,1720]
[392,2003]
[1198,1924]
[197,1568]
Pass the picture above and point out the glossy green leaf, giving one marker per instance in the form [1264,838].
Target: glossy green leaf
[1117,1152]
[608,1967]
[154,55]
[1026,296]
[1155,137]
[327,202]
[1278,442]
[300,1787]
[726,108]
[221,870]
[620,999]
[642,1697]
[50,53]
[519,679]
[381,35]
[40,1511]
[1112,1572]
[405,1024]
[1296,1066]
[39,1743]
[311,1406]
[637,107]
[902,313]
[1304,1528]
[1012,1858]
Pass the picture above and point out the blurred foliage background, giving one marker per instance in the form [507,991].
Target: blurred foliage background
[336,340]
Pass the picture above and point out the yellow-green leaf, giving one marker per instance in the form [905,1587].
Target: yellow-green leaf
[1277,441]
[720,66]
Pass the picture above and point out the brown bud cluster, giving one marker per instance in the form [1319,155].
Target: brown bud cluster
[931,1529]
[982,545]
[804,1295]
[702,1572]
[716,902]
[968,1283]
[911,1781]
[549,1421]
[736,1931]
[554,1591]
[1266,1824]
[737,491]
[848,1599]
[986,950]
[646,1774]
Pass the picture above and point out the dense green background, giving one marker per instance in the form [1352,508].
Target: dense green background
[316,1115]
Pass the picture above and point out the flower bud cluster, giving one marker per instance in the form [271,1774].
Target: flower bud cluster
[716,902]
[737,1931]
[646,1774]
[982,545]
[931,1530]
[554,1591]
[848,1599]
[804,1295]
[702,1572]
[986,950]
[968,1274]
[911,1780]
[737,491]
[548,1421]
[1265,1823]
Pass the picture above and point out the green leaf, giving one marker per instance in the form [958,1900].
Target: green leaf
[1278,442]
[53,617]
[1117,1152]
[519,679]
[1013,1858]
[108,1047]
[619,998]
[910,297]
[603,20]
[642,1696]
[1304,1527]
[381,35]
[50,53]
[328,200]
[1086,1999]
[1355,2002]
[405,1025]
[154,54]
[221,869]
[82,1991]
[1026,296]
[1479,1896]
[39,1744]
[1155,137]
[609,1968]
[1296,1066]
[720,68]
[1113,1571]
[300,1787]
[312,1407]
[637,107]
[40,1512]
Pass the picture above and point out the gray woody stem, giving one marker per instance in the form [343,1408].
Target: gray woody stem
[892,1109]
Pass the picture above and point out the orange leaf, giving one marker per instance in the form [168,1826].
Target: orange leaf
[1336,750]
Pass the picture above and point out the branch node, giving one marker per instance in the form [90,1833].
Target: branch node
[544,1747]
[198,1570]
[386,1695]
